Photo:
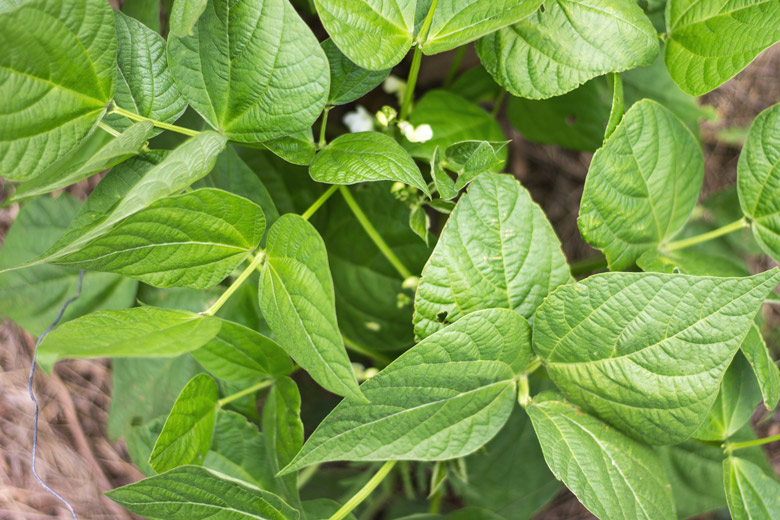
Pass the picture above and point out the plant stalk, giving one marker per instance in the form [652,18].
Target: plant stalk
[455,66]
[108,129]
[159,124]
[363,493]
[376,238]
[323,126]
[704,237]
[410,84]
[265,383]
[254,263]
[729,447]
[319,202]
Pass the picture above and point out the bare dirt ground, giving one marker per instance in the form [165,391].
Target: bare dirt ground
[78,461]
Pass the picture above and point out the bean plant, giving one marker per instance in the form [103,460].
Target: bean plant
[309,320]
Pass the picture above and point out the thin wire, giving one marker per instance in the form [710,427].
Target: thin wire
[32,397]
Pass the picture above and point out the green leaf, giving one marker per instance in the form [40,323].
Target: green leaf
[186,435]
[477,85]
[470,158]
[764,367]
[452,119]
[57,75]
[758,180]
[140,441]
[458,383]
[253,70]
[365,157]
[238,450]
[296,148]
[642,185]
[298,302]
[646,352]
[458,22]
[135,185]
[372,305]
[613,475]
[509,475]
[283,433]
[496,250]
[190,240]
[33,297]
[145,11]
[374,34]
[184,16]
[239,354]
[568,43]
[137,332]
[348,81]
[709,43]
[444,184]
[737,400]
[750,492]
[190,492]
[419,223]
[96,154]
[145,84]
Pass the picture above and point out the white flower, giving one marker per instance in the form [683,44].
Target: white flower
[382,118]
[416,135]
[395,85]
[359,120]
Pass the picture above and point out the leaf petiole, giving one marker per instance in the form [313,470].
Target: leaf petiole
[306,215]
[323,126]
[265,383]
[255,263]
[363,493]
[159,124]
[704,237]
[729,447]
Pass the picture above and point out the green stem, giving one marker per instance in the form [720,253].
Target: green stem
[731,446]
[159,124]
[323,126]
[523,391]
[255,263]
[497,104]
[435,503]
[247,391]
[108,129]
[319,202]
[410,83]
[376,238]
[306,474]
[455,66]
[366,490]
[588,265]
[360,349]
[704,237]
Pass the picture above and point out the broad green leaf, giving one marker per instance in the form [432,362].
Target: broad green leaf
[373,307]
[470,158]
[613,475]
[764,367]
[642,185]
[137,332]
[458,22]
[298,302]
[86,160]
[365,157]
[496,250]
[283,433]
[145,11]
[239,354]
[57,75]
[145,84]
[348,81]
[186,435]
[646,352]
[133,379]
[33,297]
[737,400]
[190,492]
[252,69]
[458,383]
[445,186]
[134,186]
[184,16]
[238,450]
[296,148]
[710,42]
[231,173]
[568,43]
[509,475]
[190,240]
[477,85]
[374,34]
[758,180]
[140,442]
[750,492]
[452,119]
[419,223]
